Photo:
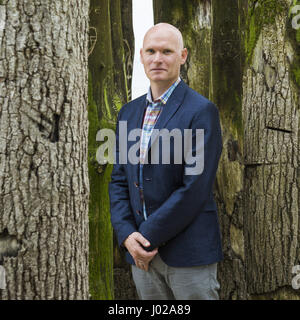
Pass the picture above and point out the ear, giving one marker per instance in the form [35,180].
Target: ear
[141,56]
[184,54]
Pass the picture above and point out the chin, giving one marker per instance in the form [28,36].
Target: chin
[158,79]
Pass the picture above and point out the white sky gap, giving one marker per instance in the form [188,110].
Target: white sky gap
[142,15]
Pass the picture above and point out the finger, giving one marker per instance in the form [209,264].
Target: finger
[143,241]
[138,264]
[151,253]
[141,254]
[144,255]
[142,266]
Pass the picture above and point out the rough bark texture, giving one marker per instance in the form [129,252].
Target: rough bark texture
[253,79]
[111,49]
[271,151]
[226,92]
[44,183]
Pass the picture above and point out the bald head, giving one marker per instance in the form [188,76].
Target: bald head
[167,28]
[162,56]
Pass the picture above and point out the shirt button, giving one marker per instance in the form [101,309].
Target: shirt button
[136,184]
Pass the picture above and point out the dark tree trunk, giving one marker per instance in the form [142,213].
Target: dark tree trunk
[244,56]
[110,67]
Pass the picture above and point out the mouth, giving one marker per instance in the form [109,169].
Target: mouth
[158,69]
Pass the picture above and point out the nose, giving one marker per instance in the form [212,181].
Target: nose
[157,57]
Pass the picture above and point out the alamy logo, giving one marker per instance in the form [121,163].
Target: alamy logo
[2,278]
[296,279]
[296,18]
[188,148]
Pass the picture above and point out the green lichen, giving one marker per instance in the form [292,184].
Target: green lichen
[254,31]
[294,38]
[117,102]
[100,244]
[260,14]
[296,64]
[126,84]
[298,35]
[106,104]
[296,74]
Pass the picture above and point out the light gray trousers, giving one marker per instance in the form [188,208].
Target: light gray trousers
[163,282]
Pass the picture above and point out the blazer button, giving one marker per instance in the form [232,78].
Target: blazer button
[136,184]
[138,212]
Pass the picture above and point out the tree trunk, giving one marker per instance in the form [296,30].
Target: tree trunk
[226,92]
[111,52]
[193,19]
[252,76]
[271,150]
[44,183]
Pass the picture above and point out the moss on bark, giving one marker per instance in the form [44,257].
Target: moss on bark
[294,37]
[100,243]
[108,91]
[261,13]
[192,18]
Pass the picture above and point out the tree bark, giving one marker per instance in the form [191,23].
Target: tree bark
[252,76]
[271,151]
[193,19]
[226,92]
[111,52]
[44,183]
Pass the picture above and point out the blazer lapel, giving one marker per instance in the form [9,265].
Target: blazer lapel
[173,103]
[141,114]
[141,108]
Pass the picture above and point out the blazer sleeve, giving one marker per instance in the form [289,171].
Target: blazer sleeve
[122,218]
[186,202]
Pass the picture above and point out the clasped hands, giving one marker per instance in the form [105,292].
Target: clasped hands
[142,258]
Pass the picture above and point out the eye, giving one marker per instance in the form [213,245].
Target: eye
[150,51]
[167,51]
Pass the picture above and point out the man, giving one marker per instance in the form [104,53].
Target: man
[165,218]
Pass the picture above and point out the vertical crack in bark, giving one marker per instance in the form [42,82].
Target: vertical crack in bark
[43,138]
[54,135]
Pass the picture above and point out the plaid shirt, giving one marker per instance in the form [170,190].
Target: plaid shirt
[152,113]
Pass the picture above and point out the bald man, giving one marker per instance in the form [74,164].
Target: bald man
[164,213]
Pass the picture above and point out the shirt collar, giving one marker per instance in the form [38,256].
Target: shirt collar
[165,96]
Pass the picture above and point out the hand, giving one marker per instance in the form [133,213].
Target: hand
[142,258]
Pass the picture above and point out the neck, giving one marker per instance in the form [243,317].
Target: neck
[157,89]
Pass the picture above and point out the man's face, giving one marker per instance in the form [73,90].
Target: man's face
[162,55]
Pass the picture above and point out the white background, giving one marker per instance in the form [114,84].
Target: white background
[142,12]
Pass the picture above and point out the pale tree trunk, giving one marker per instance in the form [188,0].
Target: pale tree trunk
[44,183]
[254,80]
[271,151]
[111,52]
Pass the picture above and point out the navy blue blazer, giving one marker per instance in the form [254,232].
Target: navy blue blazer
[182,214]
